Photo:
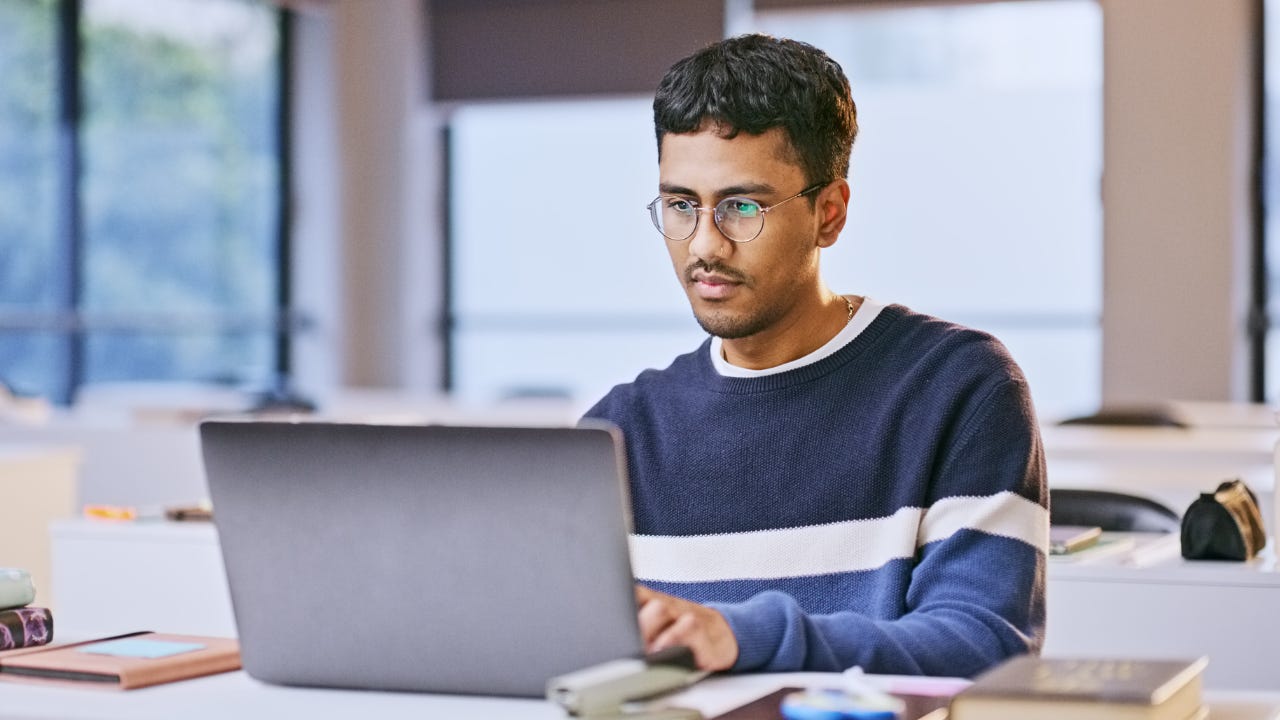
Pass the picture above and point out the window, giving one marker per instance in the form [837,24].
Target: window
[32,357]
[988,116]
[147,236]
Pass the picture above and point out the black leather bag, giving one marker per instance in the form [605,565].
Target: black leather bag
[1223,525]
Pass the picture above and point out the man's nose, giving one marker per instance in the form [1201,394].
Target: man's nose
[707,241]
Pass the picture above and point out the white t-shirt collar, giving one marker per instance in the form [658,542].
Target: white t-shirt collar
[867,312]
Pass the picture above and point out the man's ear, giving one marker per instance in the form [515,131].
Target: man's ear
[833,209]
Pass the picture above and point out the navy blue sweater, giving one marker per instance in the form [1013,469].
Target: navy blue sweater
[884,506]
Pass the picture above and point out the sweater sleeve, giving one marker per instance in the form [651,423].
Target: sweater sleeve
[977,584]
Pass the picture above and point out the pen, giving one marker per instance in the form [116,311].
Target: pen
[121,512]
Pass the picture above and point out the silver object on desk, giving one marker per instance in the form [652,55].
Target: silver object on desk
[614,690]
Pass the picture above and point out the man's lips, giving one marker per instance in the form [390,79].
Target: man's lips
[707,278]
[713,285]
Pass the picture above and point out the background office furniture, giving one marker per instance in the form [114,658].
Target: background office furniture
[1134,595]
[148,453]
[1130,416]
[38,484]
[1139,602]
[1170,465]
[1110,510]
[117,577]
[142,458]
[124,463]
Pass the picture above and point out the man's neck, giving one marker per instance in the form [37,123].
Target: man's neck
[794,338]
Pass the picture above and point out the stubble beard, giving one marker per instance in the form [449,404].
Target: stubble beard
[728,326]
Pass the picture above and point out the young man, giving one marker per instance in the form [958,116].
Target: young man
[827,481]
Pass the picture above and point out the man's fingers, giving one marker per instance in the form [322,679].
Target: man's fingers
[689,630]
[667,621]
[702,634]
[682,631]
[655,616]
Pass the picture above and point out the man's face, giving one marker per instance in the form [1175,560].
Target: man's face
[740,289]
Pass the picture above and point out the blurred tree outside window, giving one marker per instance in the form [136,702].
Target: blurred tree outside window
[178,246]
[29,256]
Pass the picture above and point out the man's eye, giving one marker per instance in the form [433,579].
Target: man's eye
[743,208]
[680,206]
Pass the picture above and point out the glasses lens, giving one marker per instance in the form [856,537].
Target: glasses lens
[674,217]
[740,219]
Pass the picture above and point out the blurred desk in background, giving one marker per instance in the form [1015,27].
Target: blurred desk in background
[121,576]
[1172,465]
[1137,596]
[1133,595]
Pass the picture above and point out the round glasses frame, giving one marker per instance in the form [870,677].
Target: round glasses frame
[719,213]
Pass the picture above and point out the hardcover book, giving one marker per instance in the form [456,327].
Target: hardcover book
[126,661]
[25,627]
[1032,688]
[16,588]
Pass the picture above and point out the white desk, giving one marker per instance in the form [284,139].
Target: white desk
[235,695]
[1148,601]
[116,577]
[1164,605]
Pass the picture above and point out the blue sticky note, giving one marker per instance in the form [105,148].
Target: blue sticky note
[140,648]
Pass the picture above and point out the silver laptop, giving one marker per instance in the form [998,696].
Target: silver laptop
[423,558]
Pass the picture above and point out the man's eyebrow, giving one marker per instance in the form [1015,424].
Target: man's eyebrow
[747,189]
[672,189]
[744,189]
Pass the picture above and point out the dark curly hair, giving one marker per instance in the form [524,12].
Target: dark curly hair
[754,83]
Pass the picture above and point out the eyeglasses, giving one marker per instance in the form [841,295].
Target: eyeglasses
[740,219]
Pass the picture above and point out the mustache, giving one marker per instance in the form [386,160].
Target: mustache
[714,268]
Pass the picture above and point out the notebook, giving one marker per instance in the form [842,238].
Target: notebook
[475,560]
[130,661]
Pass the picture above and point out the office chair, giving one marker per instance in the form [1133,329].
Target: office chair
[1111,511]
[1159,415]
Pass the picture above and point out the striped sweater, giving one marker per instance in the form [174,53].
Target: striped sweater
[883,506]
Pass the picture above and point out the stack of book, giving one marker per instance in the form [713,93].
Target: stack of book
[20,624]
[132,660]
[1032,688]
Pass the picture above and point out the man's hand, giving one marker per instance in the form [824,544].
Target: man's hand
[667,621]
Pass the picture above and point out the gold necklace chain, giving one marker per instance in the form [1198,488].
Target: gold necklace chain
[849,306]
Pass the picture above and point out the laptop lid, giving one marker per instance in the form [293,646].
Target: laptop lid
[425,558]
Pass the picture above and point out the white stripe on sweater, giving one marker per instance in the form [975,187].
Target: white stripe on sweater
[1006,514]
[848,546]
